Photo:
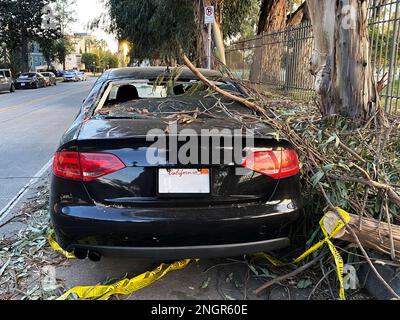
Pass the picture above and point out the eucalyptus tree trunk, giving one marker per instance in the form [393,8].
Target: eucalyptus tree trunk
[268,54]
[341,60]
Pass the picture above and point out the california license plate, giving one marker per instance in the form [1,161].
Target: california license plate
[184,181]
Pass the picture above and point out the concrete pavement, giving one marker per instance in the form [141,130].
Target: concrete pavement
[31,125]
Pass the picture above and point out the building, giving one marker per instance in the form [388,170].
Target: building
[36,58]
[83,43]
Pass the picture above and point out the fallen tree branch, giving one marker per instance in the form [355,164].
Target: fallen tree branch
[308,149]
[289,275]
[249,104]
[390,191]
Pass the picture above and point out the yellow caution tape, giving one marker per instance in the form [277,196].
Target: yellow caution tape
[53,243]
[336,255]
[126,286]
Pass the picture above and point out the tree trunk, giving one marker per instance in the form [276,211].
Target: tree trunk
[372,234]
[341,58]
[24,53]
[272,16]
[268,54]
[202,29]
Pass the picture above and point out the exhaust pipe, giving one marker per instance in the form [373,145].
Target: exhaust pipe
[81,254]
[94,256]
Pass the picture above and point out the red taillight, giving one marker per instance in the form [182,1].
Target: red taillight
[85,166]
[96,165]
[66,165]
[276,164]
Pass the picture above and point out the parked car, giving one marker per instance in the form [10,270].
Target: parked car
[108,197]
[30,80]
[70,76]
[52,80]
[46,79]
[82,76]
[60,74]
[6,80]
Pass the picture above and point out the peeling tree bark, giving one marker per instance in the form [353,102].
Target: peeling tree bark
[267,59]
[341,58]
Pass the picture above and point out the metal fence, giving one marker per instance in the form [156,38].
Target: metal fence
[279,61]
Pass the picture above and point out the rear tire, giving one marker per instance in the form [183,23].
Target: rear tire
[12,88]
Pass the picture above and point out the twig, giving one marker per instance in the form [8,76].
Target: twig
[289,275]
[392,248]
[326,275]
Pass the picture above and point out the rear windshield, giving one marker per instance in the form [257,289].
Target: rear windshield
[143,89]
[144,98]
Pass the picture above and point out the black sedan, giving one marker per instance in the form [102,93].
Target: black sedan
[33,80]
[157,166]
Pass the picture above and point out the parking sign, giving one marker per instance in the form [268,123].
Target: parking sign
[209,16]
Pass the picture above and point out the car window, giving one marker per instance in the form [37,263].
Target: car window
[1,74]
[7,74]
[144,89]
[27,75]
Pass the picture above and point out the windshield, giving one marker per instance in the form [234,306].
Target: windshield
[27,75]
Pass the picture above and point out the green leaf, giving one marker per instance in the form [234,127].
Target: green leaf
[206,283]
[304,283]
[317,178]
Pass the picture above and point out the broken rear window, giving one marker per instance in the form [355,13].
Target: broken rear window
[144,98]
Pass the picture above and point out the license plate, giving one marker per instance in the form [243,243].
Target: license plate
[23,84]
[184,181]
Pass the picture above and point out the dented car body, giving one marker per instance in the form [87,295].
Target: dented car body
[122,185]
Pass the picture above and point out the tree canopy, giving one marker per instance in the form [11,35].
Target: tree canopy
[159,28]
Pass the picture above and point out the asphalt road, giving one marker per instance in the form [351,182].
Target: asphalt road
[31,125]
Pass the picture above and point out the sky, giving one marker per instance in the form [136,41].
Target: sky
[88,10]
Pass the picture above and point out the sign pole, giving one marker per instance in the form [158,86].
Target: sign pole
[209,46]
[209,18]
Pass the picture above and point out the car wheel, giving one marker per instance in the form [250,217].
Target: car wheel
[12,88]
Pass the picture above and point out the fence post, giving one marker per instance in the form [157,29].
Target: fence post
[392,61]
[287,71]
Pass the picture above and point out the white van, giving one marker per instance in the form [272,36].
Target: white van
[6,80]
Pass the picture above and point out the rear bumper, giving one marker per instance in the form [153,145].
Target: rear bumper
[190,252]
[174,232]
[26,86]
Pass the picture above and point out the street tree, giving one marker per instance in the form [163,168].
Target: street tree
[341,60]
[64,14]
[159,28]
[91,60]
[22,22]
[63,47]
